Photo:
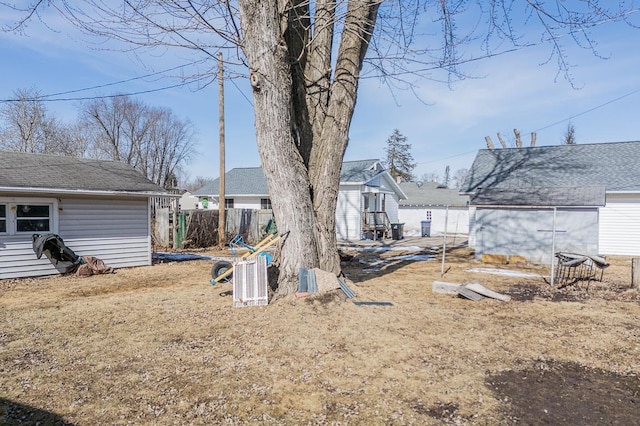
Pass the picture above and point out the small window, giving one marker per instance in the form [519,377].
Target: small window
[428,215]
[33,218]
[265,203]
[228,203]
[3,218]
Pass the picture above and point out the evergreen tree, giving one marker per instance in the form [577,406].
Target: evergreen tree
[399,160]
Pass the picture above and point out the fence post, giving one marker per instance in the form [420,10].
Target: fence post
[635,273]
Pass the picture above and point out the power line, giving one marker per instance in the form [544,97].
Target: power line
[589,110]
[43,97]
[87,98]
[545,127]
[241,92]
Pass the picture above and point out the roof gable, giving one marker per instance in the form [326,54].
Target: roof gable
[39,171]
[611,165]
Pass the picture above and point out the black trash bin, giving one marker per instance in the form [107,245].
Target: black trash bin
[426,228]
[397,229]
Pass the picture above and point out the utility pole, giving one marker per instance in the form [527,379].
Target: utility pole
[221,195]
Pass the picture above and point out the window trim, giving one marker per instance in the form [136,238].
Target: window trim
[265,204]
[12,219]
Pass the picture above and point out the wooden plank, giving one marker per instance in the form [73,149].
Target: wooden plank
[445,287]
[480,289]
[635,273]
[469,294]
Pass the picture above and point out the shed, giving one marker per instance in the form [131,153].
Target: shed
[367,193]
[575,198]
[441,206]
[99,208]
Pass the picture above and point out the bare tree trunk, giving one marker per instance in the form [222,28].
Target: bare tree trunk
[281,161]
[302,144]
[328,149]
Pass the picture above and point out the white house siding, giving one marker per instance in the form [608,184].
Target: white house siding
[528,232]
[114,230]
[348,220]
[619,227]
[246,202]
[457,219]
[392,207]
[472,227]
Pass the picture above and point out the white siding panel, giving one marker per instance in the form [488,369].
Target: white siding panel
[620,226]
[472,227]
[391,207]
[116,231]
[348,220]
[528,232]
[17,259]
[457,221]
[247,202]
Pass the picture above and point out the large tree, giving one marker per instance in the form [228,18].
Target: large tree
[28,126]
[153,140]
[304,60]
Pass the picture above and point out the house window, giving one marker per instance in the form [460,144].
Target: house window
[265,203]
[3,218]
[228,203]
[33,218]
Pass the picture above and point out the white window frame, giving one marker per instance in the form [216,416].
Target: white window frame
[265,204]
[12,219]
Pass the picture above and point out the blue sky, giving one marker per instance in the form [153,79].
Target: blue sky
[446,126]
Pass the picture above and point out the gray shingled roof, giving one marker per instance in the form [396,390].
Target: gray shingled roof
[251,180]
[430,194]
[21,170]
[612,165]
[580,196]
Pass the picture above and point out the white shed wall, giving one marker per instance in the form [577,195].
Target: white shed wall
[457,220]
[528,232]
[348,220]
[619,225]
[114,230]
[246,202]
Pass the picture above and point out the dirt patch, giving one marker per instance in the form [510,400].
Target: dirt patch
[161,345]
[553,393]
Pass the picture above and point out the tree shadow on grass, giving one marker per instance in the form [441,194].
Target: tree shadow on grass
[554,393]
[15,413]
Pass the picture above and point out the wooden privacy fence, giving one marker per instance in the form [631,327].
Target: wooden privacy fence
[199,228]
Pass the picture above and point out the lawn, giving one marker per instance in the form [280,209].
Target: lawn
[160,345]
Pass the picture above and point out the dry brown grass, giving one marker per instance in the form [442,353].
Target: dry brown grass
[160,345]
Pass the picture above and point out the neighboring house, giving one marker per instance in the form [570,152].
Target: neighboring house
[430,207]
[99,208]
[576,198]
[368,197]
